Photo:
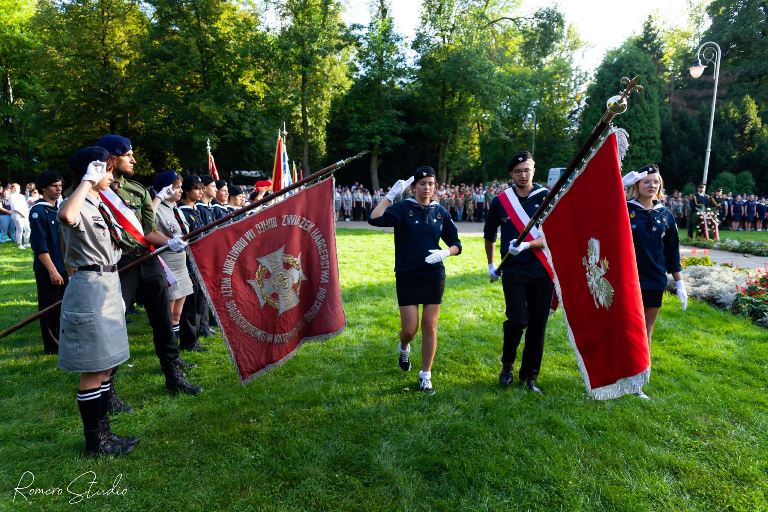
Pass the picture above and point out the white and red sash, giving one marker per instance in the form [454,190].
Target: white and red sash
[129,222]
[520,219]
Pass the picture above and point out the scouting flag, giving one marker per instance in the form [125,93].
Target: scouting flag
[212,167]
[281,172]
[589,244]
[273,279]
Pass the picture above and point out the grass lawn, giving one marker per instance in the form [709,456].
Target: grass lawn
[338,427]
[761,236]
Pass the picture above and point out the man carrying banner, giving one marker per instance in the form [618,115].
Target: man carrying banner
[525,273]
[146,281]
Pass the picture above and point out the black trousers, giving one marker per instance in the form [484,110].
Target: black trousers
[527,308]
[47,294]
[147,284]
[195,306]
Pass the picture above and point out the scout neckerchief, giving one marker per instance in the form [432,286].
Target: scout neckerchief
[511,204]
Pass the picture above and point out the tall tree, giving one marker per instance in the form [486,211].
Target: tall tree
[374,122]
[313,49]
[88,46]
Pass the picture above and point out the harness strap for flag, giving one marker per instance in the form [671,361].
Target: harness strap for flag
[518,216]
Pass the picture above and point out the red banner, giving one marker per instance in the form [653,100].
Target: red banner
[589,243]
[273,279]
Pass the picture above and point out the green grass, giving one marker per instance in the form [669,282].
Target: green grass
[761,236]
[338,427]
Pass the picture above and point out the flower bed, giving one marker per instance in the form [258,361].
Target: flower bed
[741,292]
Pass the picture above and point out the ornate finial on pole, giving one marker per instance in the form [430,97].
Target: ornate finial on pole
[284,132]
[208,145]
[618,104]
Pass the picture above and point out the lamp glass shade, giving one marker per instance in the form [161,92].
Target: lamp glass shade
[697,69]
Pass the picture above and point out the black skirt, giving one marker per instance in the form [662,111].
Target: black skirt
[413,290]
[652,298]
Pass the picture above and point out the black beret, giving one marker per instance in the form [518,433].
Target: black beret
[80,160]
[221,183]
[423,172]
[649,168]
[191,181]
[206,179]
[116,144]
[234,190]
[518,158]
[46,178]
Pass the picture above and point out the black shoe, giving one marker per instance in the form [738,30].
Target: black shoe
[105,428]
[176,381]
[116,405]
[425,386]
[184,365]
[207,332]
[195,347]
[505,377]
[99,443]
[404,361]
[530,385]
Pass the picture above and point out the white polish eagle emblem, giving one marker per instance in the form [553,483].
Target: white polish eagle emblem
[601,289]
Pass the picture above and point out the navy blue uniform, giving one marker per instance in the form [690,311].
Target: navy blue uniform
[695,205]
[657,244]
[44,238]
[751,210]
[195,305]
[761,207]
[527,288]
[417,230]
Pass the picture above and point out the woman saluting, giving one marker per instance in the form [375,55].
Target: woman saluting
[420,223]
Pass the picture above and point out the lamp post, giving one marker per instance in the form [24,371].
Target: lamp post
[530,120]
[708,52]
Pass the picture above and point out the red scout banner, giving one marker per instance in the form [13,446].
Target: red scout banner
[589,243]
[273,279]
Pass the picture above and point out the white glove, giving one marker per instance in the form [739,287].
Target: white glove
[492,273]
[166,193]
[682,294]
[176,244]
[398,188]
[517,249]
[437,255]
[96,171]
[633,177]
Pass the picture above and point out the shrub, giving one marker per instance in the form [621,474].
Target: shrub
[691,261]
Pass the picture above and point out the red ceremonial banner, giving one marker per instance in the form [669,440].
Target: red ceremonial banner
[273,279]
[589,244]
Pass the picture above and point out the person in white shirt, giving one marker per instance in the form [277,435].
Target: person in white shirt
[20,216]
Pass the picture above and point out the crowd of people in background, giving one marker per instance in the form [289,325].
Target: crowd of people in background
[737,212]
[465,202]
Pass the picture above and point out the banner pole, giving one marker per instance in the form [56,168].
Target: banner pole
[312,177]
[615,105]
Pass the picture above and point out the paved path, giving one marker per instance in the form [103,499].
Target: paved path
[733,258]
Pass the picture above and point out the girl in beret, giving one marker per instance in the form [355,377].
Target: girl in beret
[420,223]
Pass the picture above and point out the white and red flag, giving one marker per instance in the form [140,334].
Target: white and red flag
[589,246]
[273,279]
[212,170]
[281,172]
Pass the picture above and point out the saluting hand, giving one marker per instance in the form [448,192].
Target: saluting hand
[633,177]
[398,188]
[166,193]
[95,172]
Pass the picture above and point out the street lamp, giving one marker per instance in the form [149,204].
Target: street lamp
[530,120]
[708,52]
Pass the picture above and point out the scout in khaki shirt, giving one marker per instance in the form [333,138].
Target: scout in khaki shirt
[93,338]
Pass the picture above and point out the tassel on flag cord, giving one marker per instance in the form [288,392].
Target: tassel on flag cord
[273,279]
[595,275]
